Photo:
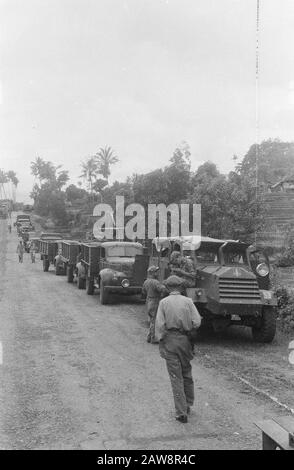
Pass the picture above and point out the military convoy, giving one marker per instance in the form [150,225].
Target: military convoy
[229,283]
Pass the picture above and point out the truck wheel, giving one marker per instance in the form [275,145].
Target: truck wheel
[81,282]
[69,274]
[45,265]
[90,286]
[104,295]
[265,331]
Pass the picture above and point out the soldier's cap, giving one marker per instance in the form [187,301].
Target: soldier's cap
[173,281]
[152,269]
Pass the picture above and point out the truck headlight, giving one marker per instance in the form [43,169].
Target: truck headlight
[262,269]
[125,283]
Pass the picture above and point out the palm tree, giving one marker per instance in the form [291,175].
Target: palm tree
[105,157]
[11,175]
[3,181]
[37,167]
[89,172]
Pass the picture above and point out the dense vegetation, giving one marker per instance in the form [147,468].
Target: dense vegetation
[231,204]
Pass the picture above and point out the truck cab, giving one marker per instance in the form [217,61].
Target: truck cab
[122,269]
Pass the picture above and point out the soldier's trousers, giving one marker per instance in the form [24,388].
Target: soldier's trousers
[152,306]
[178,364]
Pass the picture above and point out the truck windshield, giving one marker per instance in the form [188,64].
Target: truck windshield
[208,256]
[235,257]
[123,251]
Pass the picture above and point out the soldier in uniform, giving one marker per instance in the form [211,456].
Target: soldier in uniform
[183,267]
[176,318]
[153,290]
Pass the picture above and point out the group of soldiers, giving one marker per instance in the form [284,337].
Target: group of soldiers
[173,320]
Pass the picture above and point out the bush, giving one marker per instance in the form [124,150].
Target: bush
[285,309]
[286,259]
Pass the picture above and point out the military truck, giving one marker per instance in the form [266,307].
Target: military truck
[88,271]
[3,212]
[231,282]
[66,260]
[122,269]
[48,248]
[115,267]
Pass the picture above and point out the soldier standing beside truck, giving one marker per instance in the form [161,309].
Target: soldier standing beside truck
[153,290]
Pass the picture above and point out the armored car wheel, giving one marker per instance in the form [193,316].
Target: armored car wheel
[45,265]
[264,331]
[104,295]
[90,286]
[69,274]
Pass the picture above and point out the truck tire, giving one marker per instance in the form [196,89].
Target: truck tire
[69,274]
[90,286]
[45,265]
[265,331]
[81,282]
[104,295]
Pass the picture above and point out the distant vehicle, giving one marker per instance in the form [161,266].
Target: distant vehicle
[48,248]
[231,282]
[66,259]
[5,208]
[34,242]
[3,213]
[50,235]
[22,219]
[27,208]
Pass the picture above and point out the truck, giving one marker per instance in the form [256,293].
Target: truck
[23,220]
[230,284]
[5,208]
[114,267]
[88,271]
[3,212]
[48,248]
[122,269]
[66,260]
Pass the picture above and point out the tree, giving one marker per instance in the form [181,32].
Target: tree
[105,158]
[49,199]
[73,193]
[177,174]
[89,172]
[270,161]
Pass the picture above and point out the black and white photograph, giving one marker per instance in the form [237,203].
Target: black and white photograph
[146,228]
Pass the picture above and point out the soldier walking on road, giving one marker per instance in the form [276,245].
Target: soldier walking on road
[176,318]
[9,228]
[20,251]
[153,290]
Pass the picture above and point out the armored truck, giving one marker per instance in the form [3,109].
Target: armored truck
[230,284]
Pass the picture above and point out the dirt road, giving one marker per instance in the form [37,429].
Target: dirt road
[75,374]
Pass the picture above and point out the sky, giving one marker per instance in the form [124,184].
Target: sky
[141,76]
